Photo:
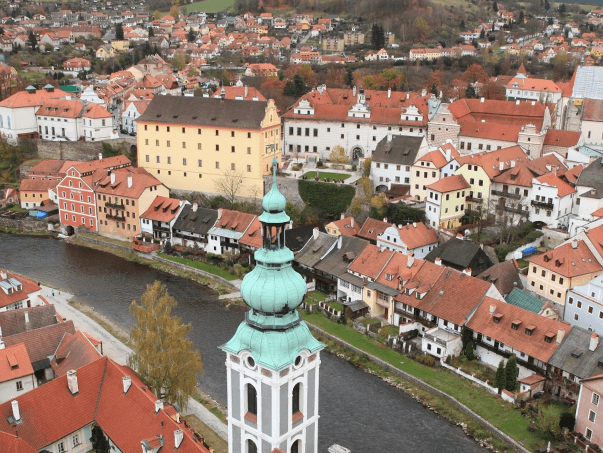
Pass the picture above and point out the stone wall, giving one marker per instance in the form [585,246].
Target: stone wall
[553,237]
[516,446]
[82,151]
[26,225]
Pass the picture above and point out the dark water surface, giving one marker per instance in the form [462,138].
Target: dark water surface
[358,410]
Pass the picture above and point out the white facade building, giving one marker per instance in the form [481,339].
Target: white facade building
[551,201]
[413,238]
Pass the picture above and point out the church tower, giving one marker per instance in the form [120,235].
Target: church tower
[272,361]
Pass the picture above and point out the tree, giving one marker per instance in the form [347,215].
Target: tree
[511,374]
[167,248]
[100,444]
[151,33]
[500,379]
[547,5]
[119,32]
[349,77]
[179,61]
[156,15]
[165,358]
[191,36]
[175,13]
[230,184]
[469,351]
[356,206]
[365,182]
[548,420]
[482,34]
[296,87]
[32,41]
[521,17]
[495,6]
[378,206]
[462,25]
[366,167]
[421,28]
[338,155]
[567,420]
[377,37]
[466,336]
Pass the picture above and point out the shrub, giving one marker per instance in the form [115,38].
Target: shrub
[213,256]
[354,167]
[448,359]
[426,359]
[567,420]
[331,198]
[320,164]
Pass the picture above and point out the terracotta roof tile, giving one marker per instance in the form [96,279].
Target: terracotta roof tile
[28,287]
[449,183]
[566,139]
[568,261]
[491,161]
[162,209]
[141,180]
[347,226]
[417,234]
[61,108]
[37,185]
[533,344]
[26,99]
[235,220]
[14,321]
[13,444]
[14,363]
[371,261]
[371,228]
[73,352]
[563,188]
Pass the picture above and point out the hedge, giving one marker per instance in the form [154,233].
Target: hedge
[332,198]
[504,249]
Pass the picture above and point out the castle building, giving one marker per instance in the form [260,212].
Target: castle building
[272,361]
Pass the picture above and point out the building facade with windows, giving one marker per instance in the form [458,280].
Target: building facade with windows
[209,145]
[584,305]
[589,416]
[552,201]
[17,374]
[445,202]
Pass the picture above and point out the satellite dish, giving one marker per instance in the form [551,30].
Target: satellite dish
[467,232]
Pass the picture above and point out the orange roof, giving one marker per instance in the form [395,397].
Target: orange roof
[13,444]
[371,261]
[491,161]
[436,157]
[372,227]
[162,209]
[545,163]
[555,137]
[27,287]
[74,351]
[450,183]
[14,363]
[417,235]
[107,162]
[27,99]
[37,185]
[563,188]
[520,175]
[61,108]
[598,213]
[527,83]
[595,236]
[234,220]
[571,176]
[50,166]
[533,344]
[568,261]
[141,180]
[253,236]
[347,226]
[93,110]
[395,268]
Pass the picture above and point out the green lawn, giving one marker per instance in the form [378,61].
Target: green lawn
[522,263]
[324,174]
[210,6]
[335,306]
[216,270]
[14,208]
[500,414]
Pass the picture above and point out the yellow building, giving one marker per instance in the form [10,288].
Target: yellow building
[552,273]
[445,202]
[120,46]
[218,146]
[105,52]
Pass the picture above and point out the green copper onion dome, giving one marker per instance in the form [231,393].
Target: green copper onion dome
[273,330]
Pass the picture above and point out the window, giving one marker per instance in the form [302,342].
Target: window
[19,385]
[184,161]
[147,158]
[168,143]
[200,163]
[217,165]
[198,145]
[595,399]
[61,447]
[251,447]
[252,400]
[217,132]
[579,304]
[232,166]
[168,128]
[296,401]
[592,416]
[543,273]
[75,439]
[169,160]
[249,168]
[570,300]
[561,280]
[156,142]
[184,144]
[588,434]
[217,147]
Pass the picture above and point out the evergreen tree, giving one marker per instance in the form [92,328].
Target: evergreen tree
[500,380]
[377,37]
[495,6]
[521,17]
[296,87]
[547,5]
[462,25]
[466,334]
[562,8]
[32,41]
[119,32]
[165,358]
[349,77]
[191,36]
[100,444]
[469,351]
[482,34]
[511,374]
[151,32]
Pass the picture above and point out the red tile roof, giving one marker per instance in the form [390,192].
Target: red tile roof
[563,188]
[527,83]
[141,180]
[235,220]
[61,108]
[491,161]
[41,343]
[14,363]
[566,139]
[347,226]
[73,352]
[417,234]
[533,345]
[595,235]
[253,236]
[126,418]
[520,175]
[37,185]
[26,99]
[371,261]
[107,162]
[162,209]
[49,166]
[571,175]
[28,287]
[568,261]
[13,444]
[546,164]
[94,111]
[371,228]
[450,183]
[396,267]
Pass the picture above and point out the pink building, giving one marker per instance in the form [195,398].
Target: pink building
[589,413]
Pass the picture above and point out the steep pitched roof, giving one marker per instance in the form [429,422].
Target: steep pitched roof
[555,137]
[347,226]
[593,110]
[525,300]
[520,175]
[234,220]
[162,209]
[195,219]
[73,352]
[503,276]
[499,112]
[13,444]
[338,260]
[14,363]
[591,177]
[315,248]
[450,183]
[417,234]
[141,180]
[31,99]
[563,188]
[574,356]
[373,227]
[534,344]
[37,185]
[297,237]
[458,252]
[400,150]
[27,287]
[568,261]
[492,161]
[13,322]
[371,261]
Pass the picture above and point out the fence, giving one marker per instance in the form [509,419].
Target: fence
[470,377]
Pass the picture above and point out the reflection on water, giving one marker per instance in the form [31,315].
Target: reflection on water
[357,410]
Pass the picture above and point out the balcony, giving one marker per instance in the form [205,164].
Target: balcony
[516,210]
[501,193]
[505,353]
[116,217]
[115,205]
[473,199]
[542,204]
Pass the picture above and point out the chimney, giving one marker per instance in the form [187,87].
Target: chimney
[195,207]
[481,100]
[315,232]
[129,181]
[26,316]
[72,382]
[290,224]
[414,224]
[501,166]
[342,216]
[448,154]
[179,434]
[339,241]
[384,219]
[407,96]
[112,178]
[3,274]
[438,261]
[244,97]
[517,102]
[459,236]
[100,156]
[423,92]
[492,309]
[354,91]
[127,381]
[481,245]
[219,213]
[400,226]
[389,136]
[410,260]
[560,335]
[352,222]
[574,244]
[16,412]
[389,93]
[382,249]
[467,271]
[158,405]
[554,170]
[594,342]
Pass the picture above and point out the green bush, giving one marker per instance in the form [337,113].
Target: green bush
[504,249]
[319,164]
[213,256]
[426,359]
[331,198]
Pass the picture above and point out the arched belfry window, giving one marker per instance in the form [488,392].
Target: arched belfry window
[296,400]
[296,447]
[251,446]
[252,400]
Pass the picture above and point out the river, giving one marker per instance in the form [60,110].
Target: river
[357,410]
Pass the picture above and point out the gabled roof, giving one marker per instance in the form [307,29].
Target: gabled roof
[415,235]
[459,253]
[14,363]
[525,300]
[371,261]
[126,418]
[574,356]
[41,343]
[37,185]
[591,177]
[568,261]
[532,344]
[499,112]
[13,322]
[545,164]
[195,220]
[234,220]
[35,98]
[11,443]
[504,276]
[73,352]
[347,226]
[593,110]
[141,180]
[400,150]
[373,227]
[337,261]
[555,137]
[563,188]
[28,287]
[315,249]
[162,209]
[52,166]
[520,175]
[449,184]
[297,237]
[491,161]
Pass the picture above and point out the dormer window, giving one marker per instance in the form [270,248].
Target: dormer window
[389,277]
[530,329]
[515,324]
[548,337]
[497,317]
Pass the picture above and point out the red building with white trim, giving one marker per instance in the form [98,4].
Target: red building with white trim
[77,205]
